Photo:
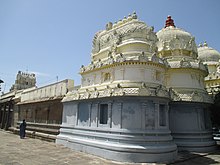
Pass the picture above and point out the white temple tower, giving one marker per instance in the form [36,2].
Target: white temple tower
[210,57]
[189,116]
[121,110]
[141,97]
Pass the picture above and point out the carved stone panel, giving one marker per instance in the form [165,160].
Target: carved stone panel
[94,112]
[149,115]
[116,115]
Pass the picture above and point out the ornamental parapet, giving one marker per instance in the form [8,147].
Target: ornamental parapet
[121,58]
[187,95]
[122,31]
[140,89]
[186,63]
[213,76]
[190,95]
[213,90]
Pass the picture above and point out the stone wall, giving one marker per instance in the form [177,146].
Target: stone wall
[131,129]
[42,112]
[46,92]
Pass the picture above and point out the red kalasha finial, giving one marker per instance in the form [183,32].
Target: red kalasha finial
[169,22]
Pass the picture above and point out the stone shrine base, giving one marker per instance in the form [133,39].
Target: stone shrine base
[122,153]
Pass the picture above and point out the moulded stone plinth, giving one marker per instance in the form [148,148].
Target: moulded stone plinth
[127,148]
[191,126]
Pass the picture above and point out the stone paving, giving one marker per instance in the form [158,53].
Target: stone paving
[16,151]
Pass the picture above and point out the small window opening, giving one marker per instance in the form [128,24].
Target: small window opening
[162,115]
[103,113]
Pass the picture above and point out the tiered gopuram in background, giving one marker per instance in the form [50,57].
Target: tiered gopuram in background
[24,81]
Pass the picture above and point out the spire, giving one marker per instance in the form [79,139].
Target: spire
[200,45]
[169,22]
[205,44]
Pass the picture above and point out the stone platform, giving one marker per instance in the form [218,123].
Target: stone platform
[16,151]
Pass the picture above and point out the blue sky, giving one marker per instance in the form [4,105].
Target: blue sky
[54,37]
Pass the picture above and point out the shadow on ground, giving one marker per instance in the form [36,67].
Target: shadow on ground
[185,158]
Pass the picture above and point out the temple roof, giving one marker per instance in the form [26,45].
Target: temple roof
[171,38]
[208,54]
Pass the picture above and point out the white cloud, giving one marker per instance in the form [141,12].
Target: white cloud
[40,74]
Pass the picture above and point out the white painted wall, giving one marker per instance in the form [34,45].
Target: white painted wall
[185,79]
[52,90]
[130,72]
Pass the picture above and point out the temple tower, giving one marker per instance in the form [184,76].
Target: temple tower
[23,81]
[121,110]
[210,57]
[189,116]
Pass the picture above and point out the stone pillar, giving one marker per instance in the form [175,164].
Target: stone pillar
[3,116]
[15,115]
[77,115]
[110,114]
[156,108]
[97,116]
[120,113]
[1,112]
[90,112]
[143,115]
[35,116]
[26,114]
[48,115]
[7,123]
[167,115]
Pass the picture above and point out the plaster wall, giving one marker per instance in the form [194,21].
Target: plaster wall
[53,90]
[70,114]
[185,79]
[134,47]
[126,73]
[212,68]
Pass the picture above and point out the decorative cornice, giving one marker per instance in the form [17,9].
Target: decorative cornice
[118,90]
[187,64]
[190,95]
[121,59]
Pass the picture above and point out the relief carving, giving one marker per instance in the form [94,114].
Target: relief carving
[131,91]
[161,91]
[143,57]
[110,60]
[144,90]
[86,94]
[91,66]
[154,58]
[196,97]
[107,92]
[174,95]
[184,63]
[98,64]
[75,95]
[165,62]
[218,69]
[118,91]
[120,58]
[96,43]
[82,69]
[94,94]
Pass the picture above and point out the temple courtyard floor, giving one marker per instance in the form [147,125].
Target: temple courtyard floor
[29,151]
